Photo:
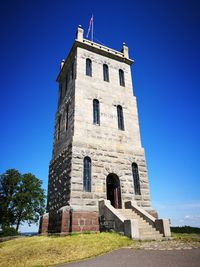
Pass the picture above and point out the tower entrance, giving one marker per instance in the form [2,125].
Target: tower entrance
[113,190]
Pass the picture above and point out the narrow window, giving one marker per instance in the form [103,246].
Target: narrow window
[136,180]
[120,117]
[121,78]
[67,81]
[59,126]
[72,71]
[105,73]
[96,116]
[60,94]
[88,67]
[87,174]
[66,117]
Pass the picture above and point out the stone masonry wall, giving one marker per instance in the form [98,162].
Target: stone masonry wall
[106,160]
[59,181]
[111,150]
[67,91]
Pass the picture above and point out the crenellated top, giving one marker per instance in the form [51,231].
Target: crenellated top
[122,55]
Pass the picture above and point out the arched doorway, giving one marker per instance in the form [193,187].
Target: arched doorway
[113,190]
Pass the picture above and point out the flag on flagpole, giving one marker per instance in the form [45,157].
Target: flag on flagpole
[90,24]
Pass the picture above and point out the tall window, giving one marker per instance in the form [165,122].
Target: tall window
[67,81]
[120,117]
[59,126]
[105,73]
[121,78]
[96,116]
[60,94]
[88,67]
[66,116]
[72,71]
[136,179]
[87,174]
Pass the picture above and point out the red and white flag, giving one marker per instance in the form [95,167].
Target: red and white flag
[90,25]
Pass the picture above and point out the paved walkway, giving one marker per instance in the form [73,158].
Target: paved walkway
[127,257]
[171,253]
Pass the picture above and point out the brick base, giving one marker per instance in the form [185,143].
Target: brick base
[65,221]
[44,220]
[85,221]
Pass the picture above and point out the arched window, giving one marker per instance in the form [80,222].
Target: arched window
[87,174]
[121,78]
[120,117]
[60,94]
[72,71]
[67,82]
[59,126]
[88,67]
[66,116]
[96,115]
[105,73]
[136,179]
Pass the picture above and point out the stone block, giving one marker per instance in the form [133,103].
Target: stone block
[163,226]
[44,220]
[131,228]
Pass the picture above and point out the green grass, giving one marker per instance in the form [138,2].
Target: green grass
[186,237]
[49,250]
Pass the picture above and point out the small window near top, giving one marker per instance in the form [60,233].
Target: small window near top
[88,67]
[121,78]
[105,73]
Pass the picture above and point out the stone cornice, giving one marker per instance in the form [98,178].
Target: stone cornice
[96,48]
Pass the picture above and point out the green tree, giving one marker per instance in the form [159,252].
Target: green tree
[9,185]
[25,201]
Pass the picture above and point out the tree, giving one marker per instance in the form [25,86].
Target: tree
[21,198]
[9,185]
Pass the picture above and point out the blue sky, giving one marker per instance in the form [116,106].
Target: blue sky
[163,39]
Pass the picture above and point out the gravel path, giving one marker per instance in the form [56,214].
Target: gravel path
[168,245]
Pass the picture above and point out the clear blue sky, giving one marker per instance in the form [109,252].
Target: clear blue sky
[163,39]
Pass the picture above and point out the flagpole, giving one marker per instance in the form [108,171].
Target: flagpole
[92,32]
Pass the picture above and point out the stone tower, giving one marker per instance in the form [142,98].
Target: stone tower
[97,152]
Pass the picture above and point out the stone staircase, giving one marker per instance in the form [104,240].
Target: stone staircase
[146,230]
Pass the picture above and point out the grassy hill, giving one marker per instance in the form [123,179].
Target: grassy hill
[49,250]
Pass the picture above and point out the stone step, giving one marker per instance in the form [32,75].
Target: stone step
[146,230]
[151,237]
[149,233]
[145,225]
[131,214]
